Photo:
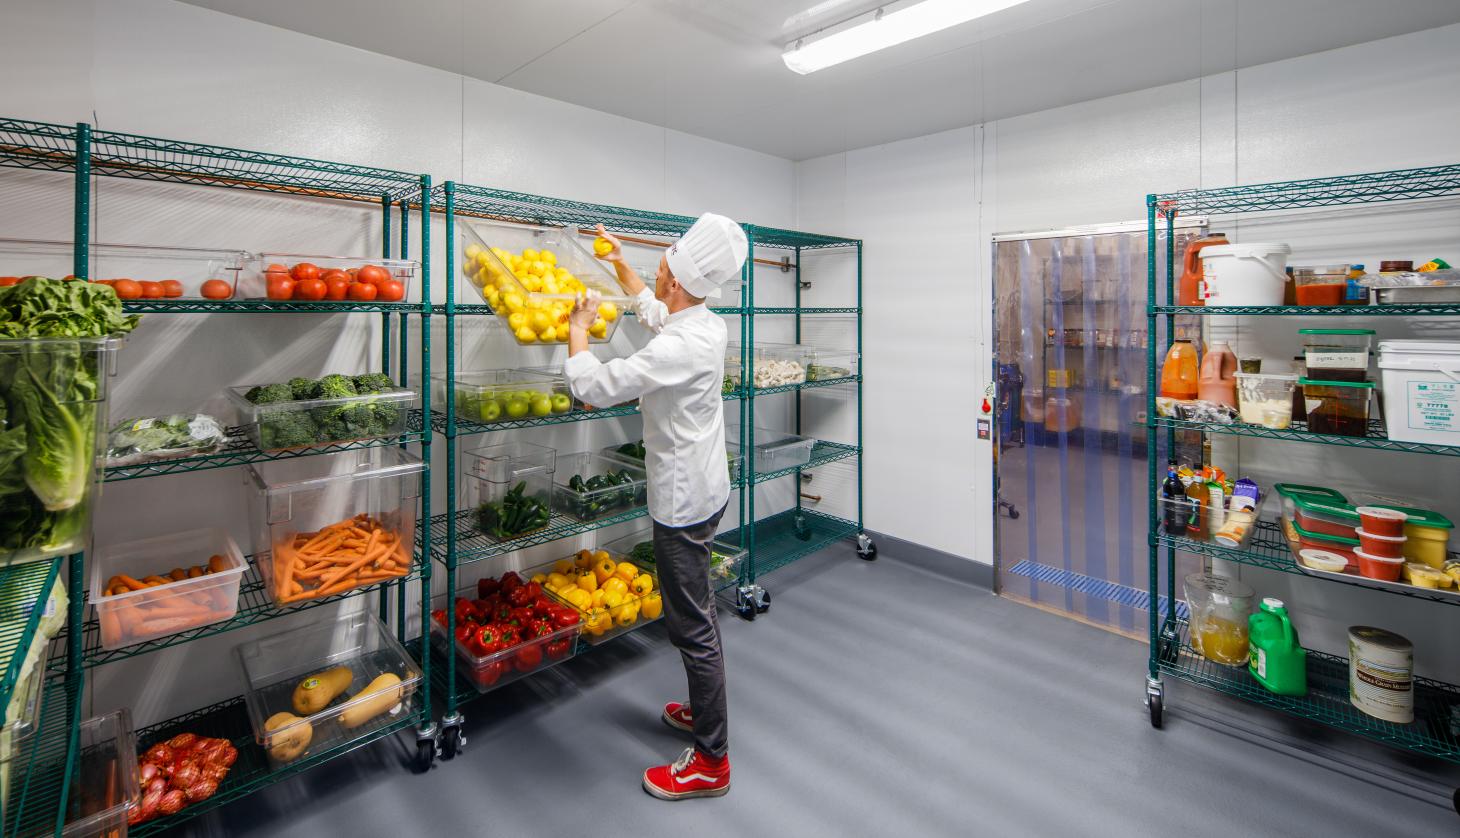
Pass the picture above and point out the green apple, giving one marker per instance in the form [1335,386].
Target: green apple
[541,405]
[491,410]
[562,403]
[517,408]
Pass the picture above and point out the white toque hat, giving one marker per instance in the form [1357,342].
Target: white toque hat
[709,253]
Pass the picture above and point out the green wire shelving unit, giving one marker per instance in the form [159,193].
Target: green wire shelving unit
[86,153]
[1171,654]
[773,542]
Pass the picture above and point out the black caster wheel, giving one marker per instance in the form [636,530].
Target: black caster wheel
[451,742]
[746,611]
[1013,514]
[1455,800]
[866,548]
[425,755]
[765,602]
[1154,703]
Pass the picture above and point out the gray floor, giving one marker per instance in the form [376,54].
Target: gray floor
[874,698]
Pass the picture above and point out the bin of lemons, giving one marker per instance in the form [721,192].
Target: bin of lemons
[506,280]
[611,595]
[506,405]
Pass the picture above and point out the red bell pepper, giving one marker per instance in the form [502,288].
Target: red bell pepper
[518,597]
[529,657]
[511,580]
[558,649]
[488,640]
[486,587]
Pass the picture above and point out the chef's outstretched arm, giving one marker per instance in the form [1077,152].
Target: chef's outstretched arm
[663,362]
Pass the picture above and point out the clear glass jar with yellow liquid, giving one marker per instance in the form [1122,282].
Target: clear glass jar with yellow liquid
[1219,609]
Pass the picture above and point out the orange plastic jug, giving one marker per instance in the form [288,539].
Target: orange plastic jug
[1179,372]
[1217,381]
[1189,290]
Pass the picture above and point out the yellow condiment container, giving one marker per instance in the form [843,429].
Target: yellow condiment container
[1426,544]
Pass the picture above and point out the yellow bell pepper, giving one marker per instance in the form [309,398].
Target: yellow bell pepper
[642,584]
[626,571]
[651,606]
[613,583]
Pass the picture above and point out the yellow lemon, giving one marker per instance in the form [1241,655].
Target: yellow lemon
[548,257]
[472,250]
[602,246]
[561,333]
[548,335]
[538,268]
[526,335]
[608,311]
[530,255]
[599,329]
[532,284]
[517,320]
[550,286]
[539,321]
[512,300]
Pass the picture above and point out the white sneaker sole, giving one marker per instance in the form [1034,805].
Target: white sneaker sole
[684,795]
[676,723]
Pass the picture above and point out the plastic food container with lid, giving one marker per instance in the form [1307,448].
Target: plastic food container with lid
[1321,285]
[1337,354]
[1382,546]
[129,616]
[1219,609]
[1325,517]
[303,507]
[1322,560]
[1426,536]
[1332,543]
[310,690]
[1244,274]
[1378,567]
[1339,408]
[1266,399]
[1289,492]
[1421,381]
[1381,520]
[311,423]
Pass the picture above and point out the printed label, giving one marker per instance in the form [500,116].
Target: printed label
[1261,662]
[1328,360]
[1434,406]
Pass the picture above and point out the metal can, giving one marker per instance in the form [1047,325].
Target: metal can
[1381,674]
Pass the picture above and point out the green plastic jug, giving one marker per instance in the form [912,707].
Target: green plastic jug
[1277,661]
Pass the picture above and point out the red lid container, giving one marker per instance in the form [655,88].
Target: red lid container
[1381,520]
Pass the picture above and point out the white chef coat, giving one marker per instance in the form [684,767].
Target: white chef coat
[677,378]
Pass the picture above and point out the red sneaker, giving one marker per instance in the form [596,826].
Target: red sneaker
[677,715]
[692,775]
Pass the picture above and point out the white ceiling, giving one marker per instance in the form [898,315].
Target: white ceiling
[713,67]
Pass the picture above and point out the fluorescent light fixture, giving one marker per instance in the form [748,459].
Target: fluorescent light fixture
[883,28]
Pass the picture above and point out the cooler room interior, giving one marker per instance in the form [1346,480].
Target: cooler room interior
[1090,395]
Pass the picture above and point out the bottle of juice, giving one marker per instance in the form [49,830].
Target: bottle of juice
[1173,493]
[1179,372]
[1188,289]
[1277,661]
[1217,382]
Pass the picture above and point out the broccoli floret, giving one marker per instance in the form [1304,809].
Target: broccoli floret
[373,382]
[270,394]
[304,388]
[336,387]
[287,429]
[384,419]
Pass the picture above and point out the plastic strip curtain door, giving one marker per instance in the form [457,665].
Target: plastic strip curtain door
[1070,334]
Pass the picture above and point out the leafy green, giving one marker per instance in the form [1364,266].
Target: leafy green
[48,397]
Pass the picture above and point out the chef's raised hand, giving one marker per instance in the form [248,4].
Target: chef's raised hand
[585,310]
[614,255]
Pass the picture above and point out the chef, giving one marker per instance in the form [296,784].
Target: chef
[677,379]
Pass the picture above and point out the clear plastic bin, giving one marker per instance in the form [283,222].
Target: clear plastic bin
[534,300]
[178,272]
[1340,408]
[1183,518]
[210,567]
[605,621]
[637,545]
[1289,492]
[309,423]
[1319,289]
[312,514]
[54,511]
[1345,547]
[497,669]
[774,364]
[581,490]
[1326,517]
[1266,399]
[506,509]
[1337,354]
[733,380]
[308,665]
[105,787]
[775,451]
[506,460]
[255,280]
[630,452]
[831,364]
[505,395]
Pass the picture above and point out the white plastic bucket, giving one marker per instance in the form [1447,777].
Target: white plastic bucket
[1244,274]
[1381,673]
[1421,380]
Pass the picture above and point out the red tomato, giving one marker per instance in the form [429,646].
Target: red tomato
[171,288]
[276,268]
[362,292]
[310,289]
[151,290]
[280,287]
[338,289]
[127,289]
[217,289]
[303,271]
[391,291]
[334,273]
[7,281]
[373,274]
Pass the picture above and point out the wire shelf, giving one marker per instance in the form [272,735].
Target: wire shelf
[1376,438]
[807,310]
[254,606]
[472,546]
[239,450]
[1327,701]
[1386,310]
[24,590]
[37,145]
[1368,188]
[809,385]
[263,307]
[1269,550]
[794,534]
[38,780]
[251,772]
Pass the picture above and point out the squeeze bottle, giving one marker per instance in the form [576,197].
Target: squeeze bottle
[1277,661]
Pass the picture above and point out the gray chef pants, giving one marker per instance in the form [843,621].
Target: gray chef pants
[682,558]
